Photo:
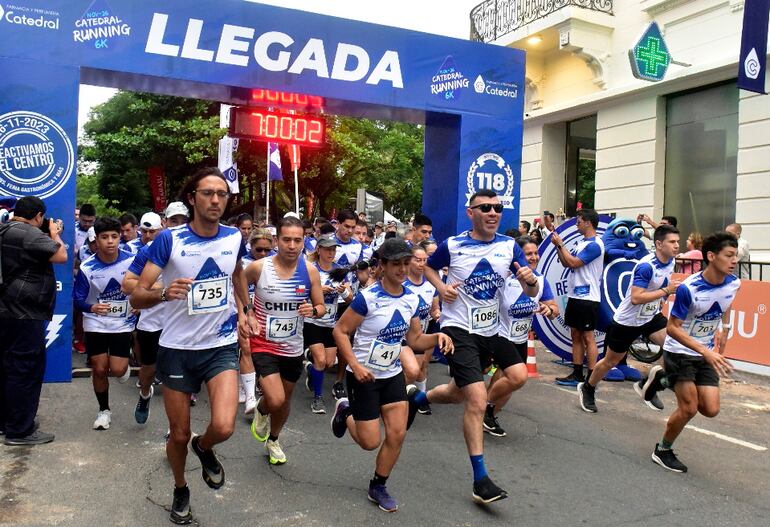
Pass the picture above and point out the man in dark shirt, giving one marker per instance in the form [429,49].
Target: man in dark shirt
[27,298]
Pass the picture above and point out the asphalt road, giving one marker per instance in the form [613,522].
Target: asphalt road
[560,466]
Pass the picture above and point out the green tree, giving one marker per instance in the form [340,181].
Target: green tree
[135,131]
[88,192]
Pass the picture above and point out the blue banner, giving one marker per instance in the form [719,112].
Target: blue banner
[274,172]
[38,129]
[753,58]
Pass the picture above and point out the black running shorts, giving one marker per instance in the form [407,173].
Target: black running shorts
[289,368]
[314,334]
[185,370]
[114,344]
[366,398]
[581,314]
[619,337]
[148,346]
[681,367]
[475,353]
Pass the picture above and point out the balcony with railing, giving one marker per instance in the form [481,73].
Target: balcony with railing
[493,19]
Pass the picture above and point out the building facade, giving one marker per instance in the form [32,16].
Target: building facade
[691,145]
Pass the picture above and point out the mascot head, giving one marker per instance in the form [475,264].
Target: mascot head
[623,239]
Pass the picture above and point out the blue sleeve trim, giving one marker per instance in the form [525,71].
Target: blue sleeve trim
[682,302]
[359,305]
[440,259]
[80,291]
[642,275]
[160,250]
[590,253]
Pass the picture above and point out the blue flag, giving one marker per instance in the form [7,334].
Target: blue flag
[274,172]
[753,58]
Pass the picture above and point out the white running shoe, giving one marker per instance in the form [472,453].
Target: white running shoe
[103,419]
[124,378]
[274,452]
[250,405]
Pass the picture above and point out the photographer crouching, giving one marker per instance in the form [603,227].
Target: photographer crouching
[27,298]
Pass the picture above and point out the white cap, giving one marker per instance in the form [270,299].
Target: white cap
[292,215]
[91,234]
[175,208]
[150,220]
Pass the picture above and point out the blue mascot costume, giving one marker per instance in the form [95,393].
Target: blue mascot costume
[623,247]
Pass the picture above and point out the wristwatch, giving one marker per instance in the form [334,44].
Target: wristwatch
[315,312]
[163,297]
[247,308]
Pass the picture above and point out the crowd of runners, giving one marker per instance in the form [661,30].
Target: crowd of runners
[248,311]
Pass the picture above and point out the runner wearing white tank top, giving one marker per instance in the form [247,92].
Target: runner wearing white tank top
[285,287]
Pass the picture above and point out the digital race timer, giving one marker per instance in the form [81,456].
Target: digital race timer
[263,125]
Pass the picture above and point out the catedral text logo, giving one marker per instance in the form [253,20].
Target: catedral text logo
[500,89]
[276,51]
[36,155]
[99,25]
[29,16]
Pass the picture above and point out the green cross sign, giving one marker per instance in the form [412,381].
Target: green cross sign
[650,56]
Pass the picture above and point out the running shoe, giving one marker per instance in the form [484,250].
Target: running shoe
[492,425]
[485,491]
[318,406]
[424,409]
[260,425]
[339,420]
[379,494]
[338,391]
[193,399]
[142,410]
[655,403]
[570,380]
[668,460]
[79,346]
[308,376]
[35,438]
[587,399]
[275,453]
[103,420]
[123,379]
[411,392]
[249,405]
[180,507]
[211,469]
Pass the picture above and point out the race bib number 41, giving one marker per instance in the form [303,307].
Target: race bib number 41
[208,296]
[382,355]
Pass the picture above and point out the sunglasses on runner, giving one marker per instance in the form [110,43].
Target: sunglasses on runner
[486,207]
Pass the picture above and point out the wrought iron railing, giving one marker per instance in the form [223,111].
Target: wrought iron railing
[759,271]
[492,19]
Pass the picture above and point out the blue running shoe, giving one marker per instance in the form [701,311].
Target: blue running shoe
[142,410]
[570,380]
[339,420]
[379,494]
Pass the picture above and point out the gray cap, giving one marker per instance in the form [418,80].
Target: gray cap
[394,249]
[328,241]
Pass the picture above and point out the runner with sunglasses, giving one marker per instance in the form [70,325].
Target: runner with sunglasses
[478,262]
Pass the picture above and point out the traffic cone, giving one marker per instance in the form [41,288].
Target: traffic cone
[531,357]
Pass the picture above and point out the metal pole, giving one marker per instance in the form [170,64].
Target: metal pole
[296,181]
[267,188]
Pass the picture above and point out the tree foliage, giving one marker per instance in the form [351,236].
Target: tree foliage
[135,131]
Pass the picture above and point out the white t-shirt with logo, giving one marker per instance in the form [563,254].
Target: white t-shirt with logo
[517,309]
[151,318]
[701,306]
[650,274]
[330,300]
[584,282]
[377,343]
[207,318]
[427,293]
[98,282]
[481,267]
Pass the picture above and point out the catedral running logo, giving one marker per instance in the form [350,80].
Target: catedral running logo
[97,27]
[276,51]
[29,16]
[36,155]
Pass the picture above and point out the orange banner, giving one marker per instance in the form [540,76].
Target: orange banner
[749,337]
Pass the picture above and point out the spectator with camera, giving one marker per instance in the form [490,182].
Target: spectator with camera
[29,245]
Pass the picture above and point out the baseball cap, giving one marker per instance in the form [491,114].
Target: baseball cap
[379,224]
[91,234]
[175,208]
[328,241]
[292,215]
[394,249]
[150,220]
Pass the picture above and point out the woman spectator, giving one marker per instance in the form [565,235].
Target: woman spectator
[536,236]
[690,261]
